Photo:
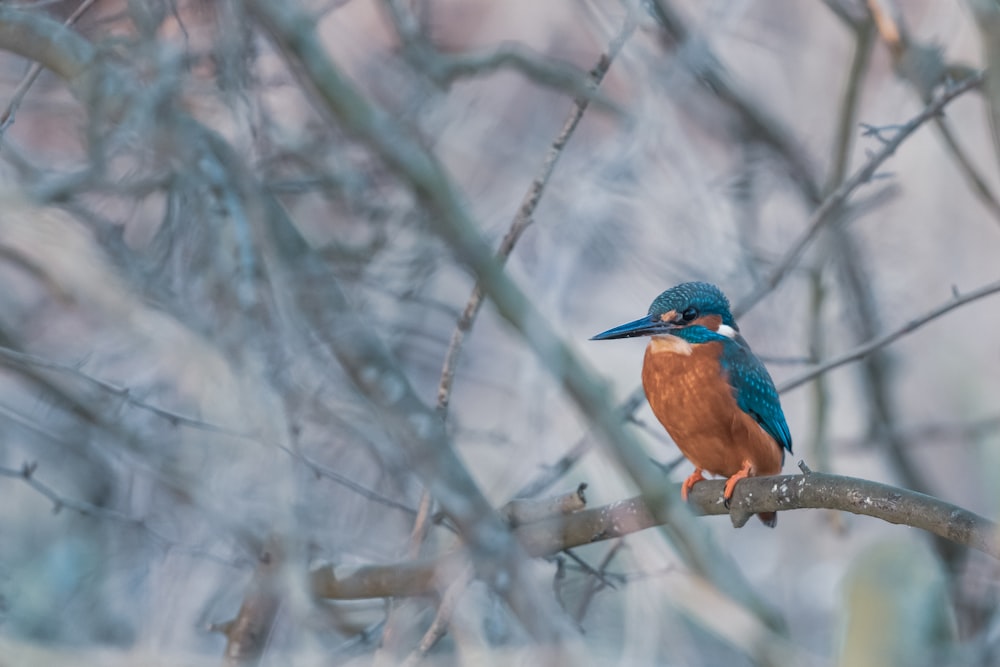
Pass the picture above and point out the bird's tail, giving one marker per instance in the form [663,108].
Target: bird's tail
[769,519]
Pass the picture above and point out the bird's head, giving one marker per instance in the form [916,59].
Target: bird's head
[693,311]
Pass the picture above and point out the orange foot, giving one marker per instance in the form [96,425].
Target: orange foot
[744,472]
[693,479]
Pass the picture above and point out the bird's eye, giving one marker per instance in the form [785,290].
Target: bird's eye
[689,314]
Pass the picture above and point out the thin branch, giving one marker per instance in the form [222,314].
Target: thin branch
[923,67]
[824,212]
[445,68]
[846,12]
[759,122]
[321,470]
[524,216]
[23,359]
[863,350]
[598,581]
[26,473]
[934,433]
[248,635]
[756,494]
[553,472]
[439,626]
[846,117]
[8,115]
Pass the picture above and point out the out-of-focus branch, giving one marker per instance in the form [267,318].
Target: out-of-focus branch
[760,123]
[846,117]
[321,470]
[924,68]
[367,361]
[598,580]
[445,68]
[36,364]
[553,472]
[248,634]
[294,34]
[23,359]
[8,115]
[38,38]
[987,15]
[439,625]
[824,212]
[26,473]
[848,12]
[525,214]
[521,511]
[812,490]
[863,350]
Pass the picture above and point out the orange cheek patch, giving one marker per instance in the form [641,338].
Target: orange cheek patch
[710,322]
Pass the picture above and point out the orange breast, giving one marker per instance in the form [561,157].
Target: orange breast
[694,402]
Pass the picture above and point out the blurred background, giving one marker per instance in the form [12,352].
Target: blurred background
[166,413]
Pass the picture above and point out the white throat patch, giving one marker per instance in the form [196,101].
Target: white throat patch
[670,344]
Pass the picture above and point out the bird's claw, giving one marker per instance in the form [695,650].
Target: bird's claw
[725,502]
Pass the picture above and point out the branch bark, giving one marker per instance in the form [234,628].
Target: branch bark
[812,490]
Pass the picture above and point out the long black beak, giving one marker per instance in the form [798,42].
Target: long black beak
[646,326]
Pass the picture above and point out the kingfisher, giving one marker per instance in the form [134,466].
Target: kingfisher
[708,390]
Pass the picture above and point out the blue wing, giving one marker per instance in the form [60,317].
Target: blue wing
[754,390]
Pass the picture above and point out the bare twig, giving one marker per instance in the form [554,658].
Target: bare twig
[524,216]
[553,472]
[891,337]
[24,359]
[248,634]
[832,203]
[757,120]
[847,115]
[597,582]
[439,626]
[923,67]
[445,68]
[323,471]
[26,473]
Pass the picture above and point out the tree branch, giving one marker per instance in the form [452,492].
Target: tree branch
[7,117]
[812,490]
[445,68]
[26,473]
[863,350]
[248,634]
[864,174]
[19,359]
[525,214]
[37,37]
